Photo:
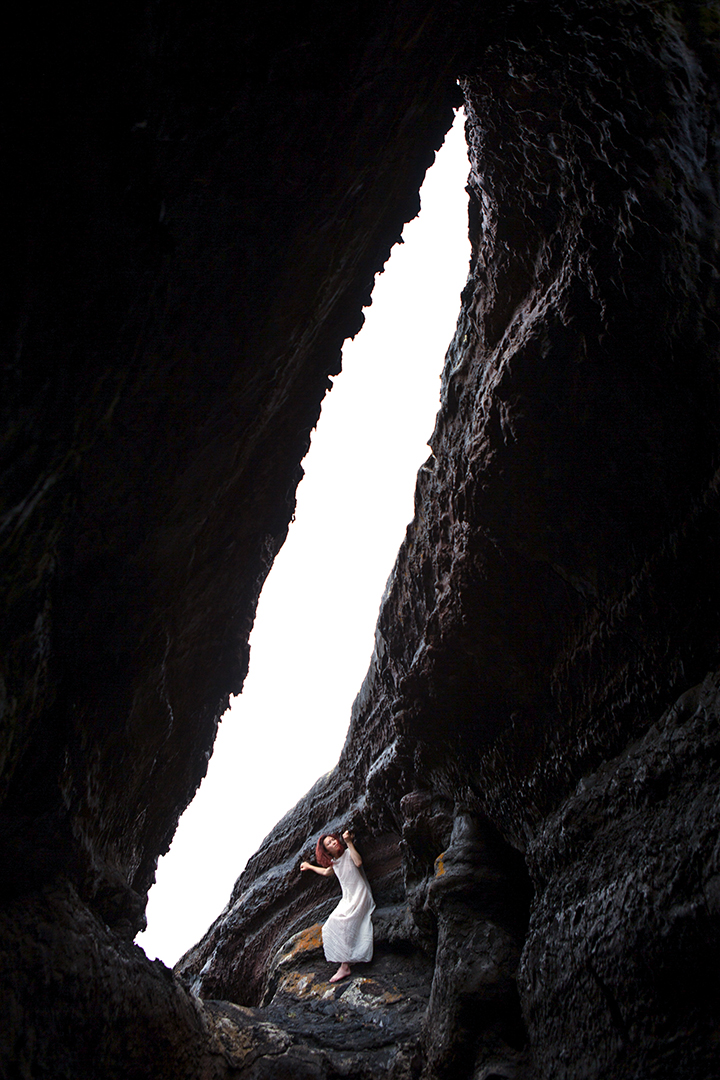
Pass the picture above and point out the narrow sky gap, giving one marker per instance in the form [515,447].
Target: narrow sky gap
[313,634]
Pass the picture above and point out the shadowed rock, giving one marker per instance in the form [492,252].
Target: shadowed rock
[203,196]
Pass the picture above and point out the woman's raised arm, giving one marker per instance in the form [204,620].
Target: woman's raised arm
[354,853]
[326,871]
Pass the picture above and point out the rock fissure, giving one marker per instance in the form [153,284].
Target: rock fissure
[202,198]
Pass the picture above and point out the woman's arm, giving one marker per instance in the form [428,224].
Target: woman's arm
[354,853]
[326,871]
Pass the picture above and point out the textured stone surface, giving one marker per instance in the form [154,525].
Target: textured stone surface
[558,586]
[627,925]
[219,197]
[203,197]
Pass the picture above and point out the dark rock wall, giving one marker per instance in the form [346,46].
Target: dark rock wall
[203,197]
[557,590]
[627,915]
[205,209]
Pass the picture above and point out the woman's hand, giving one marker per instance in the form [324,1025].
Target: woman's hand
[354,853]
[322,870]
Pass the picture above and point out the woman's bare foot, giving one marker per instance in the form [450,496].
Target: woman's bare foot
[342,973]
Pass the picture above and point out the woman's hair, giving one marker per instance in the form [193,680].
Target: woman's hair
[323,856]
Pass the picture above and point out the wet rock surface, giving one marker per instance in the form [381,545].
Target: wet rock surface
[531,763]
[627,921]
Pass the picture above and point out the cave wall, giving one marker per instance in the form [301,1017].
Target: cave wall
[557,589]
[203,198]
[202,213]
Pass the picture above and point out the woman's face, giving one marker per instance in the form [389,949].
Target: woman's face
[332,846]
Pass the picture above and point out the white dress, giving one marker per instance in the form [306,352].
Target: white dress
[348,933]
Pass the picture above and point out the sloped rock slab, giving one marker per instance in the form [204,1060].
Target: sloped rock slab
[365,1026]
[382,1003]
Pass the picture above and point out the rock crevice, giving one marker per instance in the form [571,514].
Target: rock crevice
[201,208]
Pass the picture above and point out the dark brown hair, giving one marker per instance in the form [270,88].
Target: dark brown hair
[322,856]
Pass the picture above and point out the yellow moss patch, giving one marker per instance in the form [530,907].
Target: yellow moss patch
[440,865]
[309,939]
[304,942]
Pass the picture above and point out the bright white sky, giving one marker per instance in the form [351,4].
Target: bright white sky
[314,631]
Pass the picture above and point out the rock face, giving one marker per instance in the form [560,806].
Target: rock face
[204,196]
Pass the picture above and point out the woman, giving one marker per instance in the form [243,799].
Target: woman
[348,934]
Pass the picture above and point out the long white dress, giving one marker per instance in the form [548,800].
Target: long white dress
[348,933]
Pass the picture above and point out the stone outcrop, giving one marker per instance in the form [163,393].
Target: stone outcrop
[204,196]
